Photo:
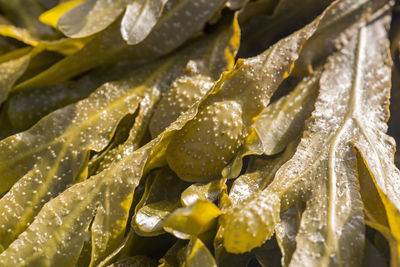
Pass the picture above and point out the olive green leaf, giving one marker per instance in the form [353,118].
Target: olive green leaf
[200,76]
[265,22]
[323,170]
[194,253]
[139,18]
[64,46]
[179,21]
[57,157]
[205,145]
[197,254]
[106,197]
[193,220]
[210,191]
[51,16]
[24,14]
[160,198]
[90,17]
[336,27]
[12,66]
[108,225]
[379,212]
[121,144]
[279,124]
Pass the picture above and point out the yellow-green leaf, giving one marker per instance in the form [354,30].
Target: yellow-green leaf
[193,220]
[206,144]
[179,21]
[350,110]
[50,17]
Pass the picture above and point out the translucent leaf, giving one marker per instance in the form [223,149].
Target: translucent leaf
[210,191]
[46,164]
[139,19]
[90,17]
[50,17]
[197,254]
[193,220]
[107,198]
[323,170]
[108,46]
[12,66]
[279,124]
[200,76]
[160,198]
[206,144]
[380,213]
[63,46]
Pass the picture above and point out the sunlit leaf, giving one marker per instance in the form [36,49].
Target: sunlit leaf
[90,17]
[160,198]
[200,76]
[51,166]
[206,144]
[323,170]
[50,17]
[193,220]
[12,66]
[279,124]
[140,18]
[108,46]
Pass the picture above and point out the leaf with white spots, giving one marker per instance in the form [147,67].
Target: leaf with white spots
[279,124]
[350,111]
[109,223]
[159,200]
[140,18]
[179,21]
[200,76]
[12,66]
[45,162]
[200,151]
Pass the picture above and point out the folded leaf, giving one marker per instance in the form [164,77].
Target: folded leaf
[210,191]
[279,124]
[380,213]
[206,144]
[197,254]
[54,162]
[200,76]
[160,199]
[193,220]
[350,110]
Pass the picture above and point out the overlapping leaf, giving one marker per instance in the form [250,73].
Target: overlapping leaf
[199,152]
[326,179]
[108,46]
[108,225]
